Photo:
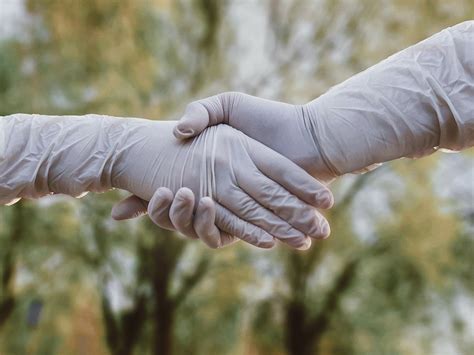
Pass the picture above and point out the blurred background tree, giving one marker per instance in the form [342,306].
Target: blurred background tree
[396,275]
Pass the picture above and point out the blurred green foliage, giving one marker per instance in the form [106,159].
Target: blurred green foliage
[73,281]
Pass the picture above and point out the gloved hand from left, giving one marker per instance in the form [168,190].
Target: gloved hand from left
[237,186]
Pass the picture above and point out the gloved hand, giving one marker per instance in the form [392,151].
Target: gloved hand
[409,105]
[259,195]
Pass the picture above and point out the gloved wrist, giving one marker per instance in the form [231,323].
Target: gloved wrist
[405,106]
[140,141]
[84,154]
[57,154]
[343,146]
[148,156]
[325,163]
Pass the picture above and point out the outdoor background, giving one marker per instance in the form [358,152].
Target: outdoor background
[395,277]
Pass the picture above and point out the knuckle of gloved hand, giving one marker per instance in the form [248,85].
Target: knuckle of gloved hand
[206,203]
[227,222]
[211,242]
[300,213]
[325,229]
[279,228]
[298,243]
[207,209]
[181,220]
[265,244]
[249,208]
[258,237]
[315,230]
[184,196]
[320,228]
[248,232]
[287,205]
[162,200]
[228,97]
[229,101]
[293,233]
[196,108]
[164,196]
[160,217]
[266,191]
[291,209]
[212,107]
[323,197]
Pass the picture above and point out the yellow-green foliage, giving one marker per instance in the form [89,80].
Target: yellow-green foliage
[148,58]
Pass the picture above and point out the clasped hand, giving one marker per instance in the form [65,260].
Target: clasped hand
[220,186]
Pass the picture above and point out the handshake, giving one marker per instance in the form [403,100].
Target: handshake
[229,170]
[240,167]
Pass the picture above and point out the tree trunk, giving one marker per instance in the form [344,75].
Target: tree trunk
[298,342]
[6,309]
[304,332]
[165,261]
[164,322]
[7,299]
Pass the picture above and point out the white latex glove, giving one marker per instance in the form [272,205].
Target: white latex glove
[409,105]
[259,194]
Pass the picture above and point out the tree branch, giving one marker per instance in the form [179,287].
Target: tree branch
[319,323]
[191,281]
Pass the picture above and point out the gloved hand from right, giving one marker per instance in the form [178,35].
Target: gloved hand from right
[408,105]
